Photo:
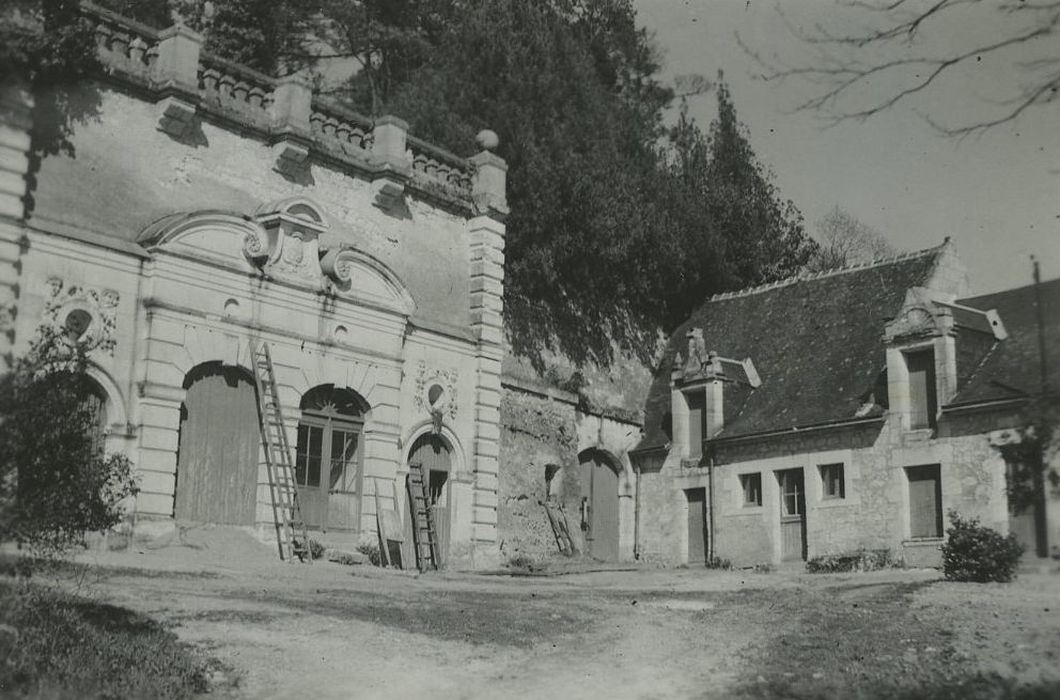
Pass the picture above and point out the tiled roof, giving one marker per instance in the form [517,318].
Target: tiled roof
[817,343]
[1011,368]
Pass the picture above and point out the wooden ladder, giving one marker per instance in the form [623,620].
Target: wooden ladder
[424,539]
[291,528]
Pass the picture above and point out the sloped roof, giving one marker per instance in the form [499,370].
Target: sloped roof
[817,343]
[1012,367]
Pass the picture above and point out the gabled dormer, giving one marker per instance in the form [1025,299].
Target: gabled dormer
[923,342]
[698,393]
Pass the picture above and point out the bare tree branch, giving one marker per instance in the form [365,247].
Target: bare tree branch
[847,71]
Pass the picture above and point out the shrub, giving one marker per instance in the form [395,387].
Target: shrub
[371,551]
[56,482]
[316,550]
[861,560]
[719,563]
[976,553]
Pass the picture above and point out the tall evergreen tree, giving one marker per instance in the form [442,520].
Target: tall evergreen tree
[762,234]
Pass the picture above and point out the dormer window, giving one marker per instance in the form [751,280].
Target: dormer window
[923,401]
[697,421]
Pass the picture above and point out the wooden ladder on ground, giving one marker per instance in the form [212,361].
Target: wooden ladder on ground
[424,537]
[291,528]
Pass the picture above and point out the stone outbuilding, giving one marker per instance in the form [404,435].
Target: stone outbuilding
[846,410]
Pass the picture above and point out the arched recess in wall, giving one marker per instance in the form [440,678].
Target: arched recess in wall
[219,447]
[114,403]
[434,454]
[599,474]
[329,457]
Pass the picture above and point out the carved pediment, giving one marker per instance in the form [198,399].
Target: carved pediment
[281,241]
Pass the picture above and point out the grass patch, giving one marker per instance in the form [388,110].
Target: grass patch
[63,646]
[865,642]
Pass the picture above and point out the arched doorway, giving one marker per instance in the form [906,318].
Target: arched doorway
[432,453]
[218,454]
[599,504]
[93,402]
[328,458]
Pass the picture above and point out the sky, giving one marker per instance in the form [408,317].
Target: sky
[996,194]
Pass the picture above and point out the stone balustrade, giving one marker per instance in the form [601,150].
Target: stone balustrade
[190,84]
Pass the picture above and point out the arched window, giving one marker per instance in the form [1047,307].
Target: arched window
[328,454]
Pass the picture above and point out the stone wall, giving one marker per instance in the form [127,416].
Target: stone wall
[874,513]
[537,433]
[544,428]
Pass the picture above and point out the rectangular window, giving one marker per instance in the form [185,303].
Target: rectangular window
[925,501]
[922,400]
[697,410]
[833,484]
[752,489]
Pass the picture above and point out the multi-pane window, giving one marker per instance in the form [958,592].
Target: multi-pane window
[334,456]
[792,498]
[752,489]
[923,403]
[833,484]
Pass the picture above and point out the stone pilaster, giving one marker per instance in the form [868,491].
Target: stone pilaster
[390,143]
[487,290]
[176,73]
[16,104]
[292,105]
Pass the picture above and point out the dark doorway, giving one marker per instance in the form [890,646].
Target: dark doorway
[217,461]
[432,453]
[1026,508]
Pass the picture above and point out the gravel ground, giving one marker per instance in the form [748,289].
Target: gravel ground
[324,631]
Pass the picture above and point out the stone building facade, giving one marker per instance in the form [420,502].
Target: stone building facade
[206,207]
[844,411]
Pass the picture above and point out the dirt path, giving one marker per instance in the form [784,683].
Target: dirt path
[327,631]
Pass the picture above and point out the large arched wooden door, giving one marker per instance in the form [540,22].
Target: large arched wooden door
[599,510]
[217,462]
[328,458]
[432,453]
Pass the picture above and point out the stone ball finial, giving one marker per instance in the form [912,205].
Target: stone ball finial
[487,139]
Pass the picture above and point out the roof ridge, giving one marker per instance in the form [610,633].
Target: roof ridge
[805,277]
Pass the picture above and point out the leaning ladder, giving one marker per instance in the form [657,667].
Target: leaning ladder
[423,534]
[291,528]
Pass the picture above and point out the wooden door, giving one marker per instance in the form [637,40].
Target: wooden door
[1026,508]
[217,462]
[697,525]
[599,507]
[792,515]
[925,501]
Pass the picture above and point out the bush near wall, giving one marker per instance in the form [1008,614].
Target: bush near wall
[978,554]
[861,560]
